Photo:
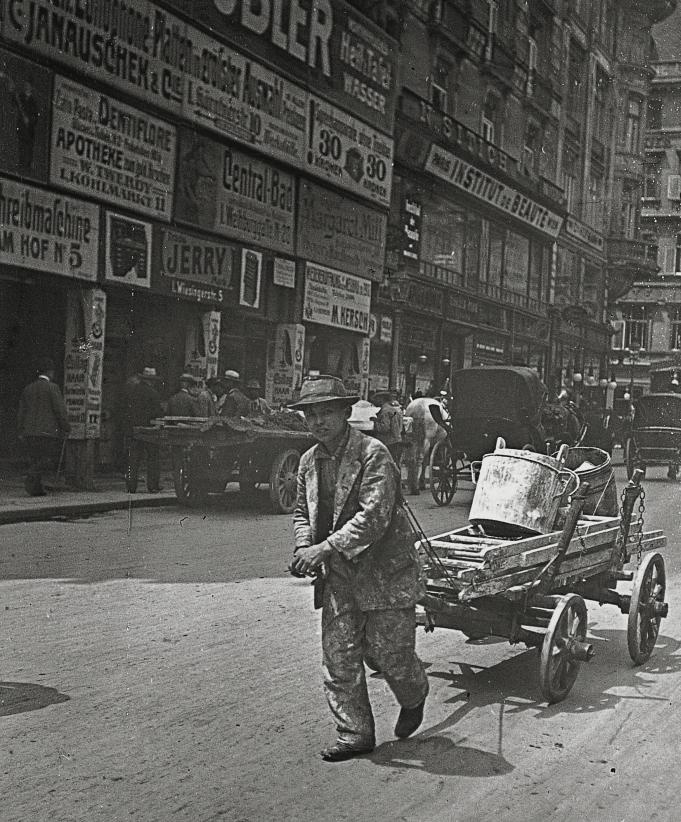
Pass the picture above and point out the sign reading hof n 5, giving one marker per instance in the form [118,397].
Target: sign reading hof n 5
[45,231]
[348,153]
[106,149]
[197,268]
[336,299]
[238,195]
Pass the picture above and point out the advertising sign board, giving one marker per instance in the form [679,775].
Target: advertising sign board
[336,299]
[196,268]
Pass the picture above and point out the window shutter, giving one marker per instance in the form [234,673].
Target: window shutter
[674,187]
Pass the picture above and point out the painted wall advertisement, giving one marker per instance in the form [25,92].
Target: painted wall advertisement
[328,45]
[284,375]
[154,56]
[336,299]
[340,232]
[83,361]
[233,193]
[211,333]
[128,251]
[195,268]
[105,149]
[45,231]
[348,153]
[25,90]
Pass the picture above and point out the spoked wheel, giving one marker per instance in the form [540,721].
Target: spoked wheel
[563,648]
[188,490]
[443,473]
[630,459]
[284,481]
[647,608]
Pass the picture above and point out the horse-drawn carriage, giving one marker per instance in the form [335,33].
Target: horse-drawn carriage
[655,434]
[490,402]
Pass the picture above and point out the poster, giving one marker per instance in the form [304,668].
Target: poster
[284,273]
[196,268]
[340,232]
[251,278]
[105,149]
[128,251]
[25,90]
[46,231]
[284,375]
[211,333]
[337,299]
[83,361]
[234,193]
[348,153]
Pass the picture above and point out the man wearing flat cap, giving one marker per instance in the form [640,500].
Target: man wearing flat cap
[352,532]
[236,403]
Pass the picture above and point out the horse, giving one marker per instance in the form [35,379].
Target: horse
[425,434]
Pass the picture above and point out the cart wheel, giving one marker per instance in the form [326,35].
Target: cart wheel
[443,473]
[646,608]
[187,489]
[559,666]
[284,481]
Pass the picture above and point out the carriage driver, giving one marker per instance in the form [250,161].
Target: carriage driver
[351,529]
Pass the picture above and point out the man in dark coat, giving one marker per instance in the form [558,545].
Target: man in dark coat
[144,405]
[351,529]
[183,403]
[42,423]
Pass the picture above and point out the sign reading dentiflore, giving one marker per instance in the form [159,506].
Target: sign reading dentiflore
[336,299]
[482,186]
[106,149]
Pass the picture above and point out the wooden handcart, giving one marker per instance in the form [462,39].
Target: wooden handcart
[533,589]
[209,453]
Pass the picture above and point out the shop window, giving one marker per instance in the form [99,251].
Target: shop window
[675,328]
[636,327]
[496,254]
[443,234]
[516,262]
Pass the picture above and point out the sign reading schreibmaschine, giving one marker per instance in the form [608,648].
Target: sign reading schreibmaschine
[336,299]
[45,231]
[482,186]
[111,151]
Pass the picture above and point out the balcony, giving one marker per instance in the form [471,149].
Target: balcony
[621,251]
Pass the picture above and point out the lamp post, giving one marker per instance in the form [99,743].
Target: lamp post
[634,355]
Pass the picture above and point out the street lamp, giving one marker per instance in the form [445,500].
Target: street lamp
[634,355]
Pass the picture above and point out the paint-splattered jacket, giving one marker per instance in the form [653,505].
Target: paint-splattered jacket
[374,556]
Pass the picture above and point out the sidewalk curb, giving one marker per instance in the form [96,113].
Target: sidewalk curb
[52,510]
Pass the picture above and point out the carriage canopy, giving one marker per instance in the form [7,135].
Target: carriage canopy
[511,392]
[658,411]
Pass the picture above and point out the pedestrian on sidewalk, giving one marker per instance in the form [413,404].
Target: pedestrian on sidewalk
[236,403]
[42,423]
[353,534]
[183,401]
[143,405]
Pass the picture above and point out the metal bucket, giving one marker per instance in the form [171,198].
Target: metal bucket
[594,466]
[518,492]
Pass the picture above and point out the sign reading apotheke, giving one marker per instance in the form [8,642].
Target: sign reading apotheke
[106,149]
[348,153]
[336,299]
[238,195]
[45,231]
[340,232]
[478,184]
[140,49]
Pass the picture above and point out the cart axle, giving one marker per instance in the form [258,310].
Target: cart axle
[581,651]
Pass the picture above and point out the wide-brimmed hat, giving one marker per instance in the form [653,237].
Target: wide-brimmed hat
[230,374]
[323,389]
[148,373]
[383,392]
[188,378]
[254,384]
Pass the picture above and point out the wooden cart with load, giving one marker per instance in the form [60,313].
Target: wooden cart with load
[529,582]
[208,453]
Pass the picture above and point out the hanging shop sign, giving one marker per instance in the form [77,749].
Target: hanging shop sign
[127,251]
[467,177]
[234,193]
[196,268]
[411,228]
[83,361]
[140,49]
[327,44]
[336,299]
[45,231]
[348,153]
[106,149]
[386,332]
[584,233]
[211,333]
[340,232]
[25,91]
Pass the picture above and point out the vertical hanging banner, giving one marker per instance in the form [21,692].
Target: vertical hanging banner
[83,361]
[211,333]
[251,278]
[284,375]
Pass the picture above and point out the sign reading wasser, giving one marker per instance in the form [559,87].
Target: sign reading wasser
[477,183]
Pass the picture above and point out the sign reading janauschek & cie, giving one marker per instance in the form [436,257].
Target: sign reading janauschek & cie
[106,149]
[336,299]
[482,186]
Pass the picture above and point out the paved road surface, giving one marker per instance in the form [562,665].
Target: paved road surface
[166,668]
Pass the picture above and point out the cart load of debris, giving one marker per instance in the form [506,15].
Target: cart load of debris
[277,421]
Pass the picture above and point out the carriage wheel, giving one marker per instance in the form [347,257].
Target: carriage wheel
[559,665]
[284,481]
[188,489]
[443,473]
[646,608]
